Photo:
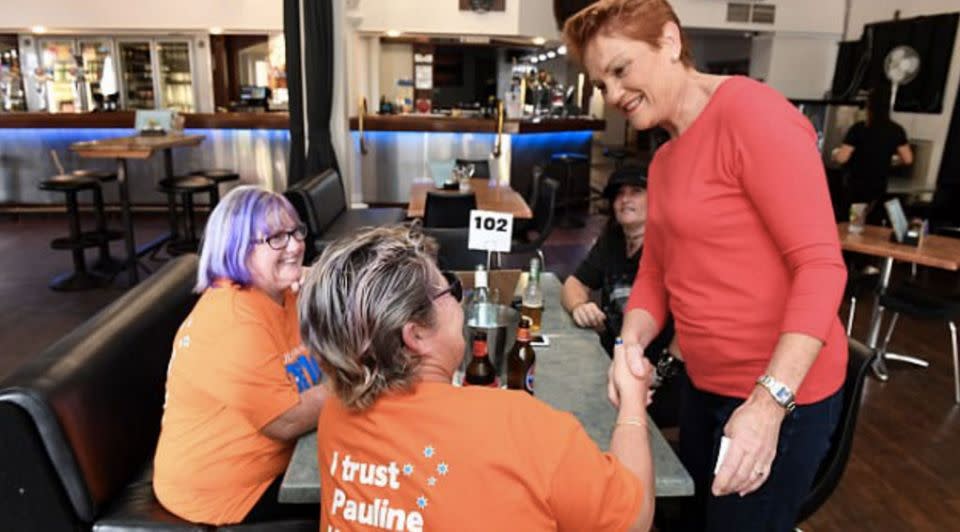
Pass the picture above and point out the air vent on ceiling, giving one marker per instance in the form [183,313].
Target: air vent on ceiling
[764,13]
[751,13]
[737,12]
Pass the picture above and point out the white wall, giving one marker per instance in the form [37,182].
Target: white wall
[820,16]
[918,125]
[396,62]
[537,19]
[797,65]
[436,16]
[73,15]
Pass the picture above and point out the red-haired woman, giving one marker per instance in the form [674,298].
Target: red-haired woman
[742,249]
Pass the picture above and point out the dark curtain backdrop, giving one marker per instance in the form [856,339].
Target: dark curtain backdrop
[312,96]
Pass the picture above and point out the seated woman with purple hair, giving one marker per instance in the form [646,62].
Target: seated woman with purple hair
[241,387]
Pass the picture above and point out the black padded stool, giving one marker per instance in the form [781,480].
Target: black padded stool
[186,187]
[105,263]
[218,175]
[77,241]
[569,162]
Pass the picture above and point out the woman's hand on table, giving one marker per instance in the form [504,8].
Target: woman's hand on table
[588,315]
[754,430]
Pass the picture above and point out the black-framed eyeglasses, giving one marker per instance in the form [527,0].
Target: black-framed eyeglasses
[280,240]
[455,288]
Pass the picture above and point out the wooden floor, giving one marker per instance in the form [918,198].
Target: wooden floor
[904,473]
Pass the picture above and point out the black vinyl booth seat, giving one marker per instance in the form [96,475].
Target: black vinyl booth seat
[79,423]
[321,203]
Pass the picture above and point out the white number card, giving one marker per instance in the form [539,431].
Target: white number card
[490,231]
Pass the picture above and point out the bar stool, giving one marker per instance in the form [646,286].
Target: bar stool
[219,175]
[105,263]
[569,161]
[186,187]
[77,241]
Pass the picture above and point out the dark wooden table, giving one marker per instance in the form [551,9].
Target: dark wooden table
[134,147]
[934,251]
[490,197]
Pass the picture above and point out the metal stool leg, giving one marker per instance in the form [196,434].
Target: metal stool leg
[853,311]
[172,216]
[79,278]
[956,363]
[105,263]
[895,356]
[191,234]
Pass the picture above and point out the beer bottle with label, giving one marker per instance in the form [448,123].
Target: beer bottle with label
[532,301]
[480,371]
[522,361]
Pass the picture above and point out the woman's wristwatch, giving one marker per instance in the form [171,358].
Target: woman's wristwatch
[782,394]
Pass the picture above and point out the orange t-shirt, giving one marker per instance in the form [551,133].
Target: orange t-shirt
[236,363]
[447,458]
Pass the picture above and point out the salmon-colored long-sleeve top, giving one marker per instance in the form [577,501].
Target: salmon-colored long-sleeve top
[741,245]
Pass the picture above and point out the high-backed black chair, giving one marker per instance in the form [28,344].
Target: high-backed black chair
[921,303]
[321,203]
[453,253]
[543,217]
[835,461]
[448,209]
[481,167]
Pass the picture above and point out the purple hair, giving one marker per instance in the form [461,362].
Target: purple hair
[245,215]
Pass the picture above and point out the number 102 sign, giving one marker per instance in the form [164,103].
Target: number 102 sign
[490,231]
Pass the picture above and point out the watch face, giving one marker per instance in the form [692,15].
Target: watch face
[783,396]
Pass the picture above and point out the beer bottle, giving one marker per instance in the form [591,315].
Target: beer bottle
[522,361]
[532,301]
[480,371]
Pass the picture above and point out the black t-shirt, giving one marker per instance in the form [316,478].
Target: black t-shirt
[608,269]
[869,165]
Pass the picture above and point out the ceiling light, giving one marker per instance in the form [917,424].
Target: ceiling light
[551,54]
[393,33]
[534,60]
[39,29]
[538,41]
[542,57]
[216,30]
[562,50]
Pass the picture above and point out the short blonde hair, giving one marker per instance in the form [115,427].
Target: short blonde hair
[354,303]
[638,19]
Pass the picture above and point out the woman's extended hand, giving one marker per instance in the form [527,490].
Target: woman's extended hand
[588,315]
[754,429]
[630,375]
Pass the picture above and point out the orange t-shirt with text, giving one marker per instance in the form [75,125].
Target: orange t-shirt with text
[228,378]
[447,458]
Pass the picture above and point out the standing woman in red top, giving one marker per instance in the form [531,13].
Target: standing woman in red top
[742,249]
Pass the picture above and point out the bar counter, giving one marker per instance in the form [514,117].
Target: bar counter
[125,119]
[442,123]
[256,145]
[395,151]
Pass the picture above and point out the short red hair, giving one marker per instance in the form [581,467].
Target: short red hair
[637,19]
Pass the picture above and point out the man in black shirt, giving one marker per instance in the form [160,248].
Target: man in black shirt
[867,150]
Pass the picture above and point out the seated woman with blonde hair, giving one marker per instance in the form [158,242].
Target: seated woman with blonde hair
[401,448]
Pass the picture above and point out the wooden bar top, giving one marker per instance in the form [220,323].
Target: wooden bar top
[489,198]
[935,251]
[125,119]
[448,124]
[133,147]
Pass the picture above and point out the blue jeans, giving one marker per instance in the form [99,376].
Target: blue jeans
[804,440]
